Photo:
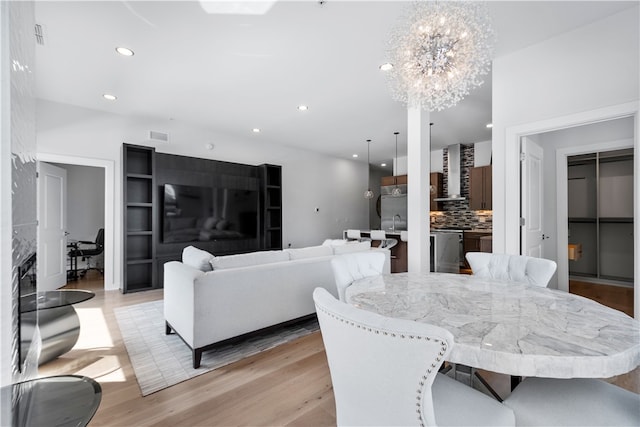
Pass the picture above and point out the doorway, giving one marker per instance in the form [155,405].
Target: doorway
[107,166]
[85,215]
[600,206]
[556,176]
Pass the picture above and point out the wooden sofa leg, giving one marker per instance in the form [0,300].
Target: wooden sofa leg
[197,357]
[167,328]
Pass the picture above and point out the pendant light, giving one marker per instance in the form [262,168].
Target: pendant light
[396,191]
[368,194]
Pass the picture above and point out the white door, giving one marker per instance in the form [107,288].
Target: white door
[52,224]
[531,204]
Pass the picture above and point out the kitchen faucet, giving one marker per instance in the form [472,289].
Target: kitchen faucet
[393,226]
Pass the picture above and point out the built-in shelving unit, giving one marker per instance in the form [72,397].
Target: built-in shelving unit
[138,165]
[271,226]
[601,214]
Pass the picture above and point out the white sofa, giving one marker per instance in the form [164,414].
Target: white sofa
[209,299]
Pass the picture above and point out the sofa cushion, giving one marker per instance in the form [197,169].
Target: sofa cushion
[309,252]
[352,247]
[334,242]
[252,258]
[197,258]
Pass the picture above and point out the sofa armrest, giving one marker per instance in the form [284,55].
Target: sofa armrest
[179,298]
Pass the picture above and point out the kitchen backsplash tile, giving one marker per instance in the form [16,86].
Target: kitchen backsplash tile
[457,214]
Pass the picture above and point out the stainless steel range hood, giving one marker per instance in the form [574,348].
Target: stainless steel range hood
[453,175]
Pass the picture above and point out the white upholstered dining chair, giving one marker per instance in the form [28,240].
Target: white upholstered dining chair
[348,268]
[384,371]
[573,402]
[516,268]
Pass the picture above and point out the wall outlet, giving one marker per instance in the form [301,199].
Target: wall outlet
[482,219]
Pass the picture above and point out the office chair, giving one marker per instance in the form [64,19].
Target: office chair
[87,250]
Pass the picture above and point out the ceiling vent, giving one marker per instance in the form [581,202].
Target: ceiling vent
[158,136]
[39,33]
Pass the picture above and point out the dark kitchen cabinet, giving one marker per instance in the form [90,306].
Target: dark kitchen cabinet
[393,180]
[480,188]
[435,190]
[475,241]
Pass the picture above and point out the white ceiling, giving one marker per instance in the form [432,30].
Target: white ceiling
[232,73]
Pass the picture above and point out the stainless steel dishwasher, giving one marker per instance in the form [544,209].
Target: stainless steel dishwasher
[446,249]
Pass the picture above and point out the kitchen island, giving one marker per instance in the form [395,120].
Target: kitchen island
[398,252]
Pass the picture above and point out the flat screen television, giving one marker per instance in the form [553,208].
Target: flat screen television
[193,213]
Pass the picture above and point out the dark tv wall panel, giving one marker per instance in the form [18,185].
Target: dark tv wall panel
[147,248]
[190,171]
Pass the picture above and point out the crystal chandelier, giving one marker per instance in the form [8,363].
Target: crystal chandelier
[368,194]
[440,53]
[396,190]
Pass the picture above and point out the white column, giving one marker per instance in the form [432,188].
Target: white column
[418,169]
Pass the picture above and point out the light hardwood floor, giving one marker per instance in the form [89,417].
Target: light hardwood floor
[286,386]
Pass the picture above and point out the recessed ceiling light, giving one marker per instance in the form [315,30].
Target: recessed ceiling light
[386,66]
[124,51]
[354,156]
[489,125]
[303,107]
[256,130]
[383,164]
[109,97]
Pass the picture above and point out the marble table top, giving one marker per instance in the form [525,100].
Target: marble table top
[507,327]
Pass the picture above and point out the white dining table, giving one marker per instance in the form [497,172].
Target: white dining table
[509,328]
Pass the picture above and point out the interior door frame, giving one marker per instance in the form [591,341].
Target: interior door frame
[511,189]
[109,207]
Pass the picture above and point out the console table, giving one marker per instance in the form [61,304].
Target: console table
[53,313]
[63,401]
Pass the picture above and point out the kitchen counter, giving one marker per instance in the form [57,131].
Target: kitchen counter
[473,230]
[388,233]
[398,252]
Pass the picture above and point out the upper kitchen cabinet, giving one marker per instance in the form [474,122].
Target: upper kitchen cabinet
[435,190]
[393,180]
[480,188]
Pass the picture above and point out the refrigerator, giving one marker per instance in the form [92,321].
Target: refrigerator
[393,209]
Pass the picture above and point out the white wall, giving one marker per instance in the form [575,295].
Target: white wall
[591,68]
[310,180]
[85,201]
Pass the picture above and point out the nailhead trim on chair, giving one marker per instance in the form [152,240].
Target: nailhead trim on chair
[402,336]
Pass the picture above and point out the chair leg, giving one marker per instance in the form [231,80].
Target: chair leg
[486,384]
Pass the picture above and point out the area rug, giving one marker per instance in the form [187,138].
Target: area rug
[160,361]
